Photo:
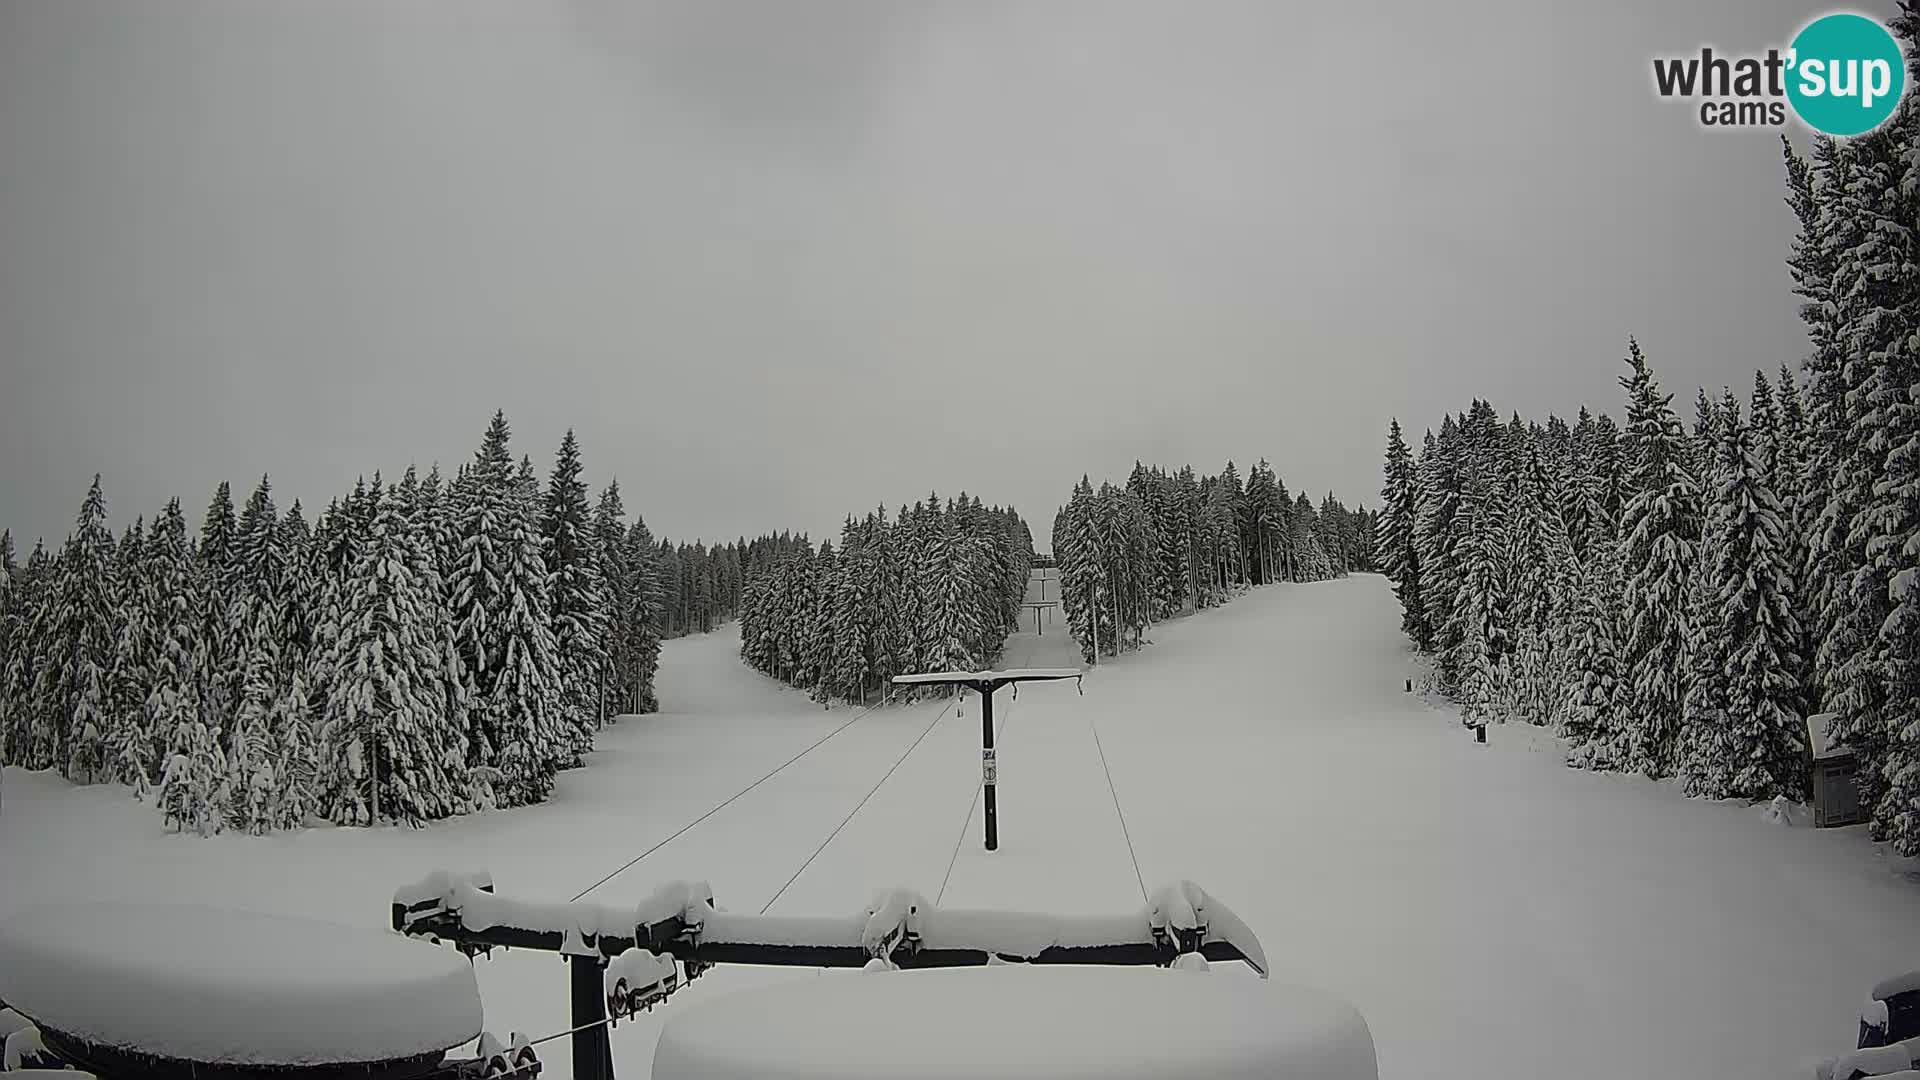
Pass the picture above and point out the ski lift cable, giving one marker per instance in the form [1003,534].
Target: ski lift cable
[861,804]
[684,829]
[570,1031]
[1119,813]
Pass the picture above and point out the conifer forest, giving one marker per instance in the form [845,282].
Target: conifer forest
[937,589]
[1171,543]
[1676,598]
[422,647]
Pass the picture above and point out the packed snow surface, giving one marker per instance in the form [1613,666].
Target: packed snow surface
[213,985]
[1476,903]
[1017,1023]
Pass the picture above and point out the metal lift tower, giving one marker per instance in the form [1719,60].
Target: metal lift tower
[985,683]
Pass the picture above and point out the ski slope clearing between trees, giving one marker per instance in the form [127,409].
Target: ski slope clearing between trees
[1490,912]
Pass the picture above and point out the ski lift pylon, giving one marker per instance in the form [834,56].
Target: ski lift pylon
[985,683]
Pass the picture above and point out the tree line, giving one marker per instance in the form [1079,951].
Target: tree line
[1676,601]
[424,648]
[938,588]
[1168,543]
[1636,587]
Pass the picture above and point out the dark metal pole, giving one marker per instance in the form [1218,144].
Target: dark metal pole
[987,763]
[592,1054]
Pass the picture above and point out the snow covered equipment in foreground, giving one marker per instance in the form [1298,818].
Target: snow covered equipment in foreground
[985,683]
[1889,1041]
[1893,1013]
[622,960]
[637,980]
[158,990]
[1011,1023]
[1836,800]
[1897,1060]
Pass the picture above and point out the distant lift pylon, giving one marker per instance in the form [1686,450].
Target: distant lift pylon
[985,683]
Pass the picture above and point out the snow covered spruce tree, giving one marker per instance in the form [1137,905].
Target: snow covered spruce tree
[1168,543]
[1880,282]
[500,610]
[1396,554]
[129,749]
[1760,750]
[193,790]
[1704,705]
[641,632]
[1539,555]
[1660,529]
[629,575]
[20,668]
[934,589]
[75,629]
[171,599]
[1434,537]
[256,630]
[578,605]
[387,750]
[1598,696]
[1854,262]
[11,591]
[219,662]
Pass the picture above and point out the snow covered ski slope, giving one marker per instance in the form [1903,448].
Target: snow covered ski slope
[1491,913]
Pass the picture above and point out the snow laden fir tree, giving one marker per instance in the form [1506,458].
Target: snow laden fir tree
[1169,543]
[1633,587]
[937,589]
[1719,584]
[421,649]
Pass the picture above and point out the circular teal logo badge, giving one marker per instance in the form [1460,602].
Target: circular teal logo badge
[1847,74]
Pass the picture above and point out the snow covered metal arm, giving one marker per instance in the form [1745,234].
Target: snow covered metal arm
[988,681]
[679,920]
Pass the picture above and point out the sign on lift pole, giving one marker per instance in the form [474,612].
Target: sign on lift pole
[985,683]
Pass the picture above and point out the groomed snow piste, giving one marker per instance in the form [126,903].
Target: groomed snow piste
[1488,910]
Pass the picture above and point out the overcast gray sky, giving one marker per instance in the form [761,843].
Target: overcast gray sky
[778,261]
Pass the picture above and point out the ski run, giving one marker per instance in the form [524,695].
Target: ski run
[1489,911]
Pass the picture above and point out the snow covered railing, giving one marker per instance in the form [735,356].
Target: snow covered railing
[465,910]
[622,960]
[680,920]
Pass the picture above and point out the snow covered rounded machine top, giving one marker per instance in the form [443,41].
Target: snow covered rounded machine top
[162,990]
[1013,1022]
